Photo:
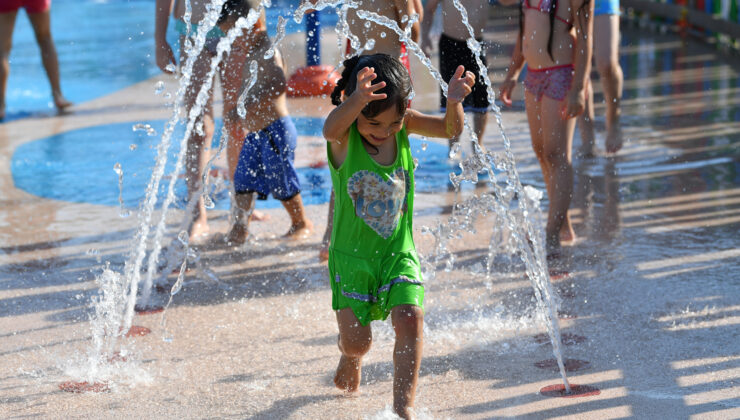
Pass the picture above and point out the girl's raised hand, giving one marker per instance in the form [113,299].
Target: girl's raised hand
[460,85]
[365,90]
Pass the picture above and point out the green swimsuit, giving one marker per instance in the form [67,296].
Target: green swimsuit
[373,264]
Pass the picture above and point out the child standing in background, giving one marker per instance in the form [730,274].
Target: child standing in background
[373,266]
[261,164]
[454,51]
[559,63]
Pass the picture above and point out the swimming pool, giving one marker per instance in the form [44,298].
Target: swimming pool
[103,46]
[54,168]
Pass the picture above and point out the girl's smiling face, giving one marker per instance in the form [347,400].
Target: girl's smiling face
[380,128]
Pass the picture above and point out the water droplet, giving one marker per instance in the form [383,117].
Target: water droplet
[132,147]
[183,237]
[383,34]
[424,145]
[117,169]
[170,67]
[158,87]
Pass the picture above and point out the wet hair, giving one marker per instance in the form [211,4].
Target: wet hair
[235,9]
[553,10]
[389,70]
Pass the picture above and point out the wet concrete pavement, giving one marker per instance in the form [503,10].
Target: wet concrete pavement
[649,310]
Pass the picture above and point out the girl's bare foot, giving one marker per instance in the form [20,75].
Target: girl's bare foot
[406,413]
[61,103]
[567,235]
[198,232]
[300,231]
[258,216]
[324,252]
[237,235]
[614,140]
[348,374]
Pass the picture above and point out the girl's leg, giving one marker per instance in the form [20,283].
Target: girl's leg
[7,24]
[41,23]
[408,322]
[354,342]
[586,125]
[558,136]
[534,110]
[198,144]
[606,55]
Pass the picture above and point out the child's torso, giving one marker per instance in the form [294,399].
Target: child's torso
[536,33]
[373,202]
[452,24]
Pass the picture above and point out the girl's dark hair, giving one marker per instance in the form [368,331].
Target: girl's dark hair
[553,10]
[235,8]
[389,70]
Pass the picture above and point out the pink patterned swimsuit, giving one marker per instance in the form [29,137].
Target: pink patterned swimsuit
[551,81]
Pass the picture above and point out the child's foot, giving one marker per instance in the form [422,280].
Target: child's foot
[406,413]
[324,252]
[61,103]
[567,235]
[300,231]
[614,140]
[237,235]
[199,232]
[258,216]
[348,374]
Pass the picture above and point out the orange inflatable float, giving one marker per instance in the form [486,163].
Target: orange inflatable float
[312,81]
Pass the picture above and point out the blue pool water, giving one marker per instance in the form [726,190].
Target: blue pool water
[103,46]
[56,168]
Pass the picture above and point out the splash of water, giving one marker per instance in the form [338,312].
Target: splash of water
[119,171]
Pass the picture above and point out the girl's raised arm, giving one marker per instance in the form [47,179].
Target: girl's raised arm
[452,124]
[339,121]
[583,22]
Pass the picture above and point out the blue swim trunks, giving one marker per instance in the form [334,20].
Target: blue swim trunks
[266,162]
[606,7]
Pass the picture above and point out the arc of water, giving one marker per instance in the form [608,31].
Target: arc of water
[223,46]
[539,277]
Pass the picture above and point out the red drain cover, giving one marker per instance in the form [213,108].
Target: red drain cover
[137,331]
[147,310]
[79,387]
[567,339]
[566,315]
[570,364]
[576,391]
[558,274]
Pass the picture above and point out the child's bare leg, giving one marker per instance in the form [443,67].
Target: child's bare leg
[7,24]
[586,125]
[197,145]
[557,157]
[480,120]
[606,55]
[41,23]
[354,342]
[324,250]
[243,209]
[408,322]
[300,226]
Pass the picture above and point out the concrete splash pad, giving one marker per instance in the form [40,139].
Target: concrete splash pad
[651,297]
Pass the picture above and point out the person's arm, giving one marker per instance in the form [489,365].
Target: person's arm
[452,124]
[337,124]
[406,7]
[162,50]
[583,23]
[515,68]
[429,11]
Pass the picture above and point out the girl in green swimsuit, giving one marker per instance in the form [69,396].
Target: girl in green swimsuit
[373,265]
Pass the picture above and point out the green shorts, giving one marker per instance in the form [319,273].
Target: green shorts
[372,287]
